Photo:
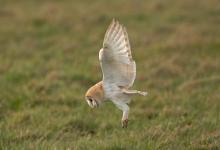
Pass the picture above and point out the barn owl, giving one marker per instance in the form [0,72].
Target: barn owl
[119,72]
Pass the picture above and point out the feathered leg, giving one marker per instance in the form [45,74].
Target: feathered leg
[125,108]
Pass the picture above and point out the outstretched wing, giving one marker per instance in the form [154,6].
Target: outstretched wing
[117,64]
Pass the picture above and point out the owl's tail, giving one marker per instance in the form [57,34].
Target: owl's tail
[131,92]
[142,93]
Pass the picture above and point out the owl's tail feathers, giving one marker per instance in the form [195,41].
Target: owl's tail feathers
[142,93]
[131,92]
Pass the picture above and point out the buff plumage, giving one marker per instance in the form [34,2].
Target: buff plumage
[119,72]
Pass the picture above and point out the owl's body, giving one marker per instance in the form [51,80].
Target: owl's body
[119,72]
[104,92]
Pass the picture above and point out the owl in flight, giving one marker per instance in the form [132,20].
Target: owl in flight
[119,72]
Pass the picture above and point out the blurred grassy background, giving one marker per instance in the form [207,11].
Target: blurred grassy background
[49,58]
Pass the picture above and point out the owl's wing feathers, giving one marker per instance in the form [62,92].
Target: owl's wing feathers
[117,64]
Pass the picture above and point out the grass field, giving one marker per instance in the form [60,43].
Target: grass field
[49,58]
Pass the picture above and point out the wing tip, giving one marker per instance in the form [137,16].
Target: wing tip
[113,20]
[115,23]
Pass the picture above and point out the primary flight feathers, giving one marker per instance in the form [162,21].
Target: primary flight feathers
[116,61]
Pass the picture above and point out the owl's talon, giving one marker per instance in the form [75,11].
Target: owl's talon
[125,123]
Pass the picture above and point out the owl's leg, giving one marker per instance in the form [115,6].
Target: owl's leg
[132,92]
[125,108]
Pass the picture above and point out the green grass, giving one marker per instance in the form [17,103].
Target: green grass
[49,58]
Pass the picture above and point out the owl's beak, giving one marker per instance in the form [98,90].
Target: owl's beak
[95,103]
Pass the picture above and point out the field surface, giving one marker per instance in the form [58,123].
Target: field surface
[49,58]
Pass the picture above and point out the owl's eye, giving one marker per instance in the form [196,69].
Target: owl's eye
[90,99]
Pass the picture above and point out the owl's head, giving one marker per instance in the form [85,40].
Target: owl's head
[95,95]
